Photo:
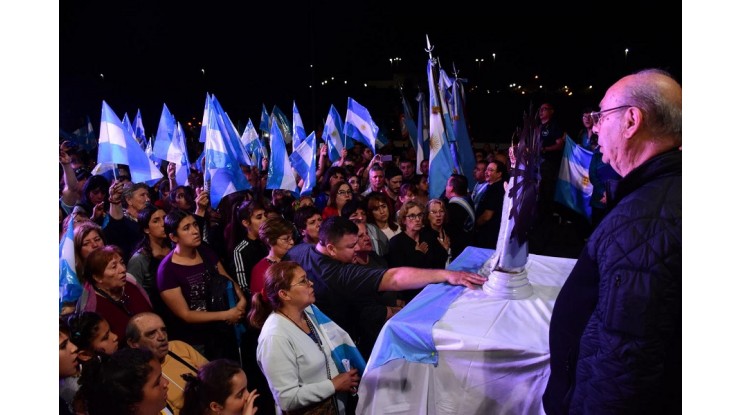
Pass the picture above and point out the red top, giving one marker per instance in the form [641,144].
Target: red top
[114,312]
[257,280]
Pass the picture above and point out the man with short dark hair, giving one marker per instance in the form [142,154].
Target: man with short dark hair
[408,171]
[615,332]
[488,211]
[344,291]
[376,179]
[460,214]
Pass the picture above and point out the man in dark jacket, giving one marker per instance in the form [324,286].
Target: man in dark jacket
[615,334]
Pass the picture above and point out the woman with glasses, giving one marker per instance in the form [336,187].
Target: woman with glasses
[435,220]
[340,194]
[294,349]
[410,249]
[110,291]
[278,235]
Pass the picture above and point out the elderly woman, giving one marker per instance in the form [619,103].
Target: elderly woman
[435,219]
[110,291]
[410,249]
[294,351]
[129,382]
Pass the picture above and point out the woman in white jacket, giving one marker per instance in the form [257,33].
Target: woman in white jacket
[295,349]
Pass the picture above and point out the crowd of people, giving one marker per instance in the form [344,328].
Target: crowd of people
[151,260]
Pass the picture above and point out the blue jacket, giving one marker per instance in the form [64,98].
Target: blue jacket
[615,333]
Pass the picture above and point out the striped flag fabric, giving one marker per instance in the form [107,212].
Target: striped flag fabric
[139,134]
[283,123]
[116,145]
[279,172]
[359,125]
[299,133]
[223,175]
[573,188]
[252,143]
[163,140]
[408,120]
[69,286]
[303,160]
[464,146]
[440,159]
[265,122]
[422,132]
[333,134]
[204,122]
[341,344]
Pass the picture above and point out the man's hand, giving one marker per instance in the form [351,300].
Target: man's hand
[468,279]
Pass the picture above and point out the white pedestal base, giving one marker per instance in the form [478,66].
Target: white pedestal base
[508,286]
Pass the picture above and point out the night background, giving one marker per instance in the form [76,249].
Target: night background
[255,53]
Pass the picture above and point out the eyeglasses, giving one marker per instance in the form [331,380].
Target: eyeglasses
[344,192]
[415,217]
[304,281]
[596,116]
[287,239]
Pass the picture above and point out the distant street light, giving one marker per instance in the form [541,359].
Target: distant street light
[626,51]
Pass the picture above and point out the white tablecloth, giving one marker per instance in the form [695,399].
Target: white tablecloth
[493,354]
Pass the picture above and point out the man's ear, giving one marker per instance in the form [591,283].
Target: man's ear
[634,119]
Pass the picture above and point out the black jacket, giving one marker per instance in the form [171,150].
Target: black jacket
[615,333]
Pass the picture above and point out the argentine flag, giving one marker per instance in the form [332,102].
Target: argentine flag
[422,132]
[341,345]
[573,188]
[69,286]
[139,134]
[299,133]
[265,122]
[334,136]
[223,175]
[440,159]
[231,135]
[359,124]
[279,173]
[164,149]
[303,160]
[204,123]
[116,145]
[251,142]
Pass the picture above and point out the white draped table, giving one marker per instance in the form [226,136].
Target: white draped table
[493,355]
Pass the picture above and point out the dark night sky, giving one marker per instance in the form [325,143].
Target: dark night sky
[152,52]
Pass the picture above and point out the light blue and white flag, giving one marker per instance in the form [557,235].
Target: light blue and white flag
[573,188]
[182,167]
[299,133]
[139,134]
[127,124]
[408,121]
[223,175]
[303,160]
[149,151]
[445,96]
[163,139]
[116,145]
[285,128]
[279,172]
[252,142]
[265,122]
[359,125]
[85,136]
[204,122]
[422,132]
[69,286]
[341,345]
[333,134]
[464,146]
[231,137]
[440,159]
